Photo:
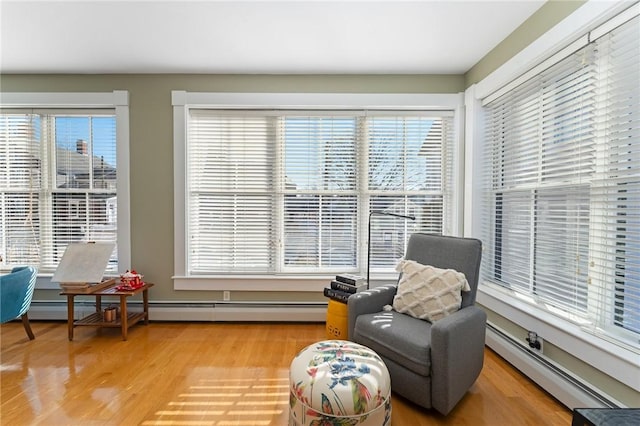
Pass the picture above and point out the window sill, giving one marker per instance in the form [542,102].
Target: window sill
[293,283]
[617,361]
[252,283]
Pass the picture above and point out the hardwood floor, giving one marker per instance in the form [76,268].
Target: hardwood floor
[209,374]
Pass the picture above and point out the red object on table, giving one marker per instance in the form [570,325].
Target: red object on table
[130,281]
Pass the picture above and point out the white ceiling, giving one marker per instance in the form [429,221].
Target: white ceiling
[254,37]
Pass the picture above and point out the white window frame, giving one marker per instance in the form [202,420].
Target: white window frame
[182,101]
[118,100]
[620,361]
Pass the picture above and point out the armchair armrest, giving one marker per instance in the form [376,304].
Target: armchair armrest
[16,292]
[368,302]
[457,355]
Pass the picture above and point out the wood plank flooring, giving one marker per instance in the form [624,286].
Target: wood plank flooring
[221,374]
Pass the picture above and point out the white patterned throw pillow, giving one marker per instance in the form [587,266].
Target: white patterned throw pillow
[427,292]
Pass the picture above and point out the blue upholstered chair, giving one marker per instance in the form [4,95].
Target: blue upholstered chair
[431,364]
[16,291]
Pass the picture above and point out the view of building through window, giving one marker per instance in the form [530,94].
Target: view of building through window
[57,185]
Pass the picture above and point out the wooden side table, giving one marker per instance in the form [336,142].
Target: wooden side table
[126,319]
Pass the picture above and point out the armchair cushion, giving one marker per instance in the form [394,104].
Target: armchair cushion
[398,337]
[427,292]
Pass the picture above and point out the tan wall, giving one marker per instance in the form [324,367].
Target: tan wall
[151,149]
[151,134]
[550,14]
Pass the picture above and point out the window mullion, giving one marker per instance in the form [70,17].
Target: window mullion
[364,202]
[48,176]
[279,189]
[601,264]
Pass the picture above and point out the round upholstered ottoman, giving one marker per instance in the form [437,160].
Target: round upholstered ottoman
[337,382]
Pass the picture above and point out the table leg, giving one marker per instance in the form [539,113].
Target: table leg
[123,316]
[145,304]
[99,304]
[70,315]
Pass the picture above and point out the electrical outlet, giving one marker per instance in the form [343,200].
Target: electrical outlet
[535,341]
[226,295]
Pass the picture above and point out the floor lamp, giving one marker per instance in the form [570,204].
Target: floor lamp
[379,213]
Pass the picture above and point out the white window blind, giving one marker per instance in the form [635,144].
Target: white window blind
[231,196]
[283,191]
[562,185]
[57,184]
[409,172]
[320,190]
[616,186]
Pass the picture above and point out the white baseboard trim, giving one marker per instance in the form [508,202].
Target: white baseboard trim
[276,312]
[564,386]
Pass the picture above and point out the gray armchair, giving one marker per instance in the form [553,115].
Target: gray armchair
[435,364]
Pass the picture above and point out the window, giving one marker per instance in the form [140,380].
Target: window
[562,185]
[288,191]
[59,183]
[320,198]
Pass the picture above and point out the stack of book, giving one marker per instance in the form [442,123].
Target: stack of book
[344,286]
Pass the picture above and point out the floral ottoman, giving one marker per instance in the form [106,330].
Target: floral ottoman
[337,382]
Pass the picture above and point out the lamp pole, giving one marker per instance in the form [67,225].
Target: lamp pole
[378,213]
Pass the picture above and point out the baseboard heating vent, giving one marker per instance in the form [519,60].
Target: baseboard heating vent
[311,312]
[558,381]
[195,311]
[40,310]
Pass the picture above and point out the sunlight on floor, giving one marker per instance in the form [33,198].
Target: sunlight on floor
[227,402]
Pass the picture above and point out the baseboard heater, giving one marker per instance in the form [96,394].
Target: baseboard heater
[196,311]
[570,390]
